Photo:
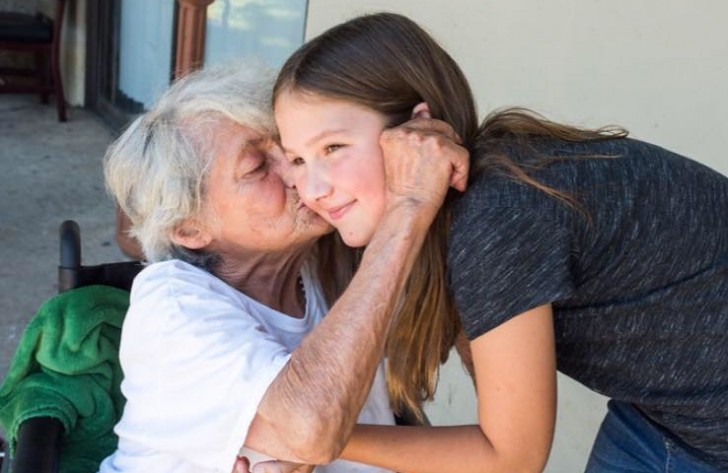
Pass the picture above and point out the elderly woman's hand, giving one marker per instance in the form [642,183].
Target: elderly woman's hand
[422,158]
[281,467]
[241,465]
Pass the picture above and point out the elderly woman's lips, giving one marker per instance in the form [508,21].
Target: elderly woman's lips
[302,206]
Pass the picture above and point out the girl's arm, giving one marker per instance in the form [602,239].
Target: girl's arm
[515,373]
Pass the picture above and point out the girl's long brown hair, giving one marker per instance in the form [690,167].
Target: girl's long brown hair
[388,63]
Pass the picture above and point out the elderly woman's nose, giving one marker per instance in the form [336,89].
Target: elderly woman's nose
[284,170]
[278,163]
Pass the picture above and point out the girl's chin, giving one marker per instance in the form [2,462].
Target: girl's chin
[354,240]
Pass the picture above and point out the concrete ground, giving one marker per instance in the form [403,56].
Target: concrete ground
[51,171]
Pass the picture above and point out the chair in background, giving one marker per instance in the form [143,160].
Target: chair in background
[41,36]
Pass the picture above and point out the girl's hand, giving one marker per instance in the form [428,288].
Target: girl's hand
[422,159]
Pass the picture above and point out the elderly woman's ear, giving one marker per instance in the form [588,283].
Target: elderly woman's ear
[191,234]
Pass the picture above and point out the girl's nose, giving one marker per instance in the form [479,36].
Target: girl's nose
[314,184]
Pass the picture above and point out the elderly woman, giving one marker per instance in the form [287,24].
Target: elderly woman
[225,343]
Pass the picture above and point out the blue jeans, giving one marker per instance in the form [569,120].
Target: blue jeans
[629,443]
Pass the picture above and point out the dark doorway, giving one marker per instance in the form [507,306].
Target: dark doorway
[103,66]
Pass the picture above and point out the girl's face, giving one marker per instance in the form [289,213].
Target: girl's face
[338,169]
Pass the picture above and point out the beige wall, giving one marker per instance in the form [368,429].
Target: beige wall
[73,50]
[657,67]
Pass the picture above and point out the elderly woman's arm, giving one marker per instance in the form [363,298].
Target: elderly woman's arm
[309,411]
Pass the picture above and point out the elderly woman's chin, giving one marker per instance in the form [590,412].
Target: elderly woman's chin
[312,223]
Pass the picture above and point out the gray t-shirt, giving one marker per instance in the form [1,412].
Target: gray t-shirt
[638,280]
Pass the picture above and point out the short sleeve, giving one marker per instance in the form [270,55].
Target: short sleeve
[196,367]
[503,261]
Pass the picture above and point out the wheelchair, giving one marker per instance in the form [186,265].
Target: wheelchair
[40,438]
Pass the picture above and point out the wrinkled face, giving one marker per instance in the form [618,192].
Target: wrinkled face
[333,147]
[248,208]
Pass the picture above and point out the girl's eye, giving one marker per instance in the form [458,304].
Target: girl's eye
[331,148]
[297,161]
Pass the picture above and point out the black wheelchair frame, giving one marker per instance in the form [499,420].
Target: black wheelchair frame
[39,439]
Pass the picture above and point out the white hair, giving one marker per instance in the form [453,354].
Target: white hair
[156,169]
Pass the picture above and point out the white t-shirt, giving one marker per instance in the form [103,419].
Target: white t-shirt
[198,356]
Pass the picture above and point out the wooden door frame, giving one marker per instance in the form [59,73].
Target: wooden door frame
[191,22]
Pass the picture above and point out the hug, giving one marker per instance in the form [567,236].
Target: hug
[318,242]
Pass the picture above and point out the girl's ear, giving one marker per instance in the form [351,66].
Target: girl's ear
[191,234]
[421,110]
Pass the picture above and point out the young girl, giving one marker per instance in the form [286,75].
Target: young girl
[578,250]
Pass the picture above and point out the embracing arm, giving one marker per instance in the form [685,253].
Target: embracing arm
[310,409]
[516,382]
[313,404]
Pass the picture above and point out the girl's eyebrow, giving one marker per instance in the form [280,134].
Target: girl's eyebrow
[316,138]
[324,134]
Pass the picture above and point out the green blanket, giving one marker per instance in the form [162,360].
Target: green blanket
[66,366]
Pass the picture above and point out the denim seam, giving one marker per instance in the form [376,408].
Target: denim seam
[669,457]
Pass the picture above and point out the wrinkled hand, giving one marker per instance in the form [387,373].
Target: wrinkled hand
[422,159]
[281,467]
[241,465]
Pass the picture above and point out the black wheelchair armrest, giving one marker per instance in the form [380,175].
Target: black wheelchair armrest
[37,449]
[72,274]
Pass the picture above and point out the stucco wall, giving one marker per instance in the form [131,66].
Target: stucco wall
[657,67]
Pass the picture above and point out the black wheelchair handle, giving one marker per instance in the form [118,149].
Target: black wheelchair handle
[70,245]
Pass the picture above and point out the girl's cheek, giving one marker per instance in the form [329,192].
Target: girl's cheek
[342,169]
